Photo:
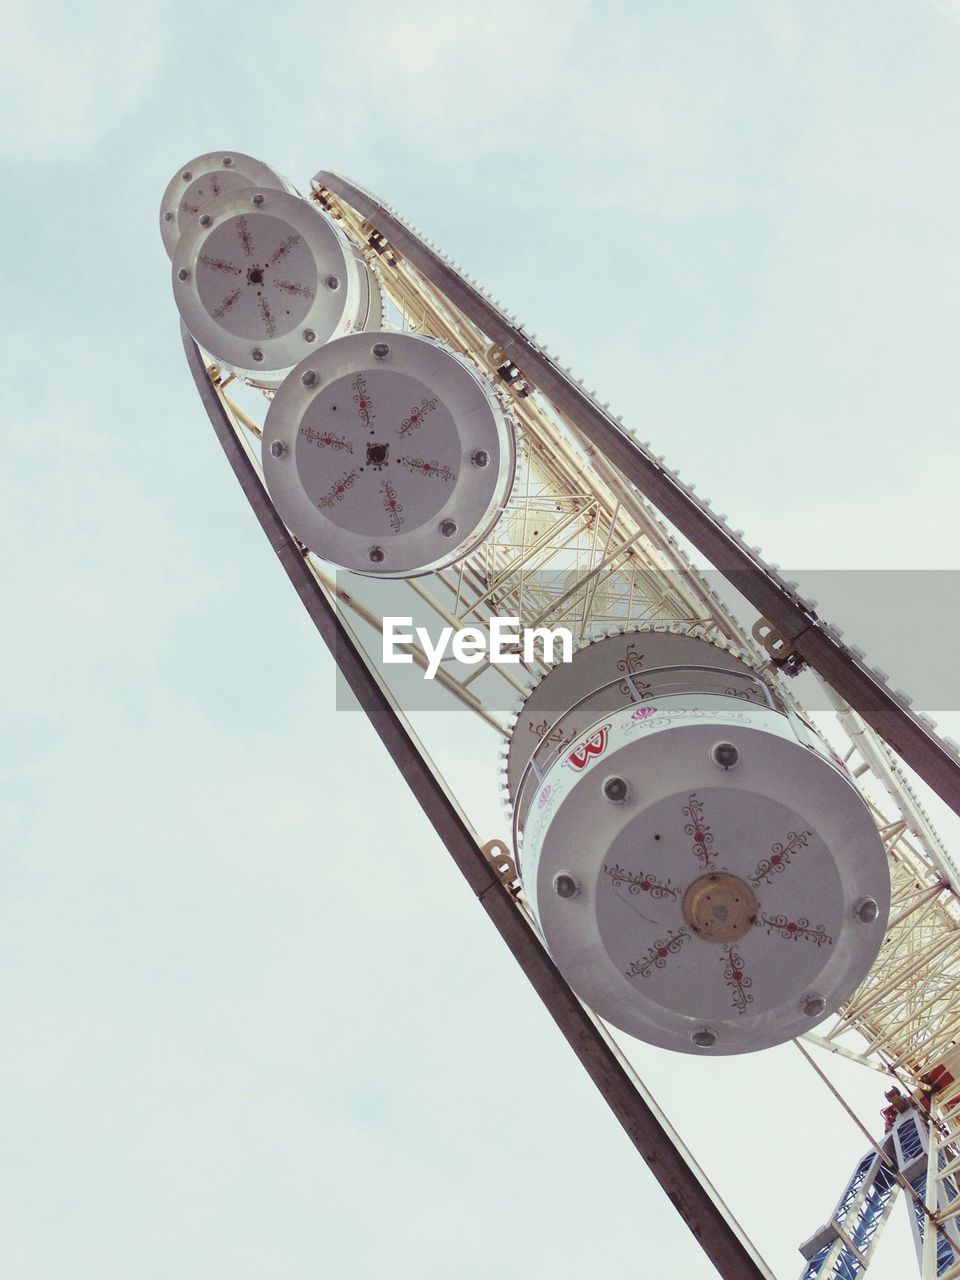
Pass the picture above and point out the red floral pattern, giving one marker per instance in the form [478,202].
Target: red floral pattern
[339,489]
[218,264]
[416,416]
[427,469]
[325,439]
[266,316]
[362,400]
[392,506]
[243,230]
[736,979]
[642,882]
[780,857]
[696,827]
[299,290]
[284,248]
[226,304]
[794,929]
[657,955]
[643,713]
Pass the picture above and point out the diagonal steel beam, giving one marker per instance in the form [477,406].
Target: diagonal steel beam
[927,754]
[686,1186]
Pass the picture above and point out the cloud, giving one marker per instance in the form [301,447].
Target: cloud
[464,66]
[57,84]
[950,7]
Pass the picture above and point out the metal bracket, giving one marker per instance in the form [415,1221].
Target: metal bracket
[781,651]
[327,202]
[509,372]
[501,859]
[381,245]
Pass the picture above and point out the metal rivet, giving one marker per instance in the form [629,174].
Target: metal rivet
[616,789]
[867,910]
[480,458]
[333,282]
[258,198]
[256,354]
[309,335]
[380,350]
[168,216]
[377,555]
[228,161]
[813,1006]
[205,219]
[725,755]
[186,175]
[704,1038]
[565,886]
[309,378]
[448,528]
[183,274]
[277,449]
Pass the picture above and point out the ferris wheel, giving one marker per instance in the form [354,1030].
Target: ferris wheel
[685,857]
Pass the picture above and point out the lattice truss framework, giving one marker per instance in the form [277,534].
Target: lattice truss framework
[941,1193]
[580,547]
[908,1008]
[920,1158]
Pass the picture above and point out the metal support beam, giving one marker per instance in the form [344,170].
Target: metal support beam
[875,1064]
[928,1258]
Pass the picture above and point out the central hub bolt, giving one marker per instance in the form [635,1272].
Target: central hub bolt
[720,907]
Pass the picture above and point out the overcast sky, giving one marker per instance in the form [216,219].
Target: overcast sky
[254,1025]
